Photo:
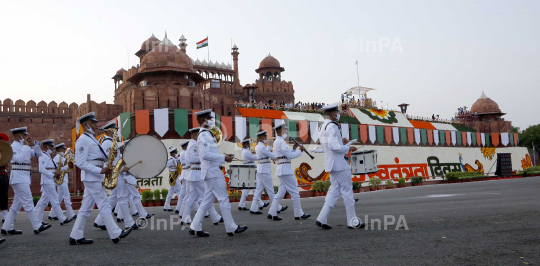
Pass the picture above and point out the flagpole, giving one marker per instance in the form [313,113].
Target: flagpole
[357,73]
[208,46]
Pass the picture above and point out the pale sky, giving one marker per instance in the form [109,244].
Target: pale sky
[445,53]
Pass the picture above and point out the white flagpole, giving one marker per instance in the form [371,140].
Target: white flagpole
[357,73]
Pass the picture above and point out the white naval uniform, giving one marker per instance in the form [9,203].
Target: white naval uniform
[249,159]
[90,156]
[182,195]
[171,164]
[20,182]
[339,170]
[285,174]
[47,168]
[119,199]
[196,185]
[215,186]
[63,190]
[264,174]
[135,195]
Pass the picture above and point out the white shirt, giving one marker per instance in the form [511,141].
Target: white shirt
[334,150]
[183,163]
[210,156]
[22,154]
[47,168]
[64,168]
[90,157]
[192,156]
[106,144]
[248,157]
[281,149]
[172,163]
[264,155]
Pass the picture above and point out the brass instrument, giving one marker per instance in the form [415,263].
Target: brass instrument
[70,160]
[218,136]
[174,175]
[59,180]
[111,180]
[6,153]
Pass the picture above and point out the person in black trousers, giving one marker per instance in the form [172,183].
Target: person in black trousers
[4,184]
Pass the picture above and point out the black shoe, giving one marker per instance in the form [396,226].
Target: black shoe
[243,209]
[148,216]
[82,241]
[238,230]
[3,220]
[269,217]
[44,223]
[266,204]
[356,200]
[102,227]
[304,216]
[324,226]
[118,220]
[124,234]
[116,240]
[115,214]
[66,221]
[180,217]
[42,228]
[112,210]
[177,212]
[283,209]
[221,220]
[50,218]
[206,216]
[360,226]
[135,214]
[257,212]
[75,217]
[168,210]
[55,218]
[135,227]
[198,233]
[2,240]
[275,218]
[11,232]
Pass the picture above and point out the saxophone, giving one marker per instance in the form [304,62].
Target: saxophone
[111,180]
[70,158]
[60,180]
[174,175]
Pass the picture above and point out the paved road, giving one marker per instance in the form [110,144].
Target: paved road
[480,223]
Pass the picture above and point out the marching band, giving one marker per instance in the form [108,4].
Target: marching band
[195,177]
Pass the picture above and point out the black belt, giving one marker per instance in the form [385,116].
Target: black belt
[196,169]
[282,157]
[20,164]
[102,160]
[284,163]
[50,168]
[20,170]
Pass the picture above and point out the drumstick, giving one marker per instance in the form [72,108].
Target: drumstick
[140,161]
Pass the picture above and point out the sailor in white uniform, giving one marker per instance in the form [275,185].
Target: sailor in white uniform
[122,192]
[182,195]
[249,158]
[172,163]
[63,190]
[338,168]
[195,182]
[264,172]
[90,157]
[285,174]
[210,172]
[23,149]
[47,168]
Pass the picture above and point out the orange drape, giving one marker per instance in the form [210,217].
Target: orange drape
[227,127]
[464,138]
[363,133]
[303,130]
[479,139]
[388,134]
[142,121]
[410,135]
[448,137]
[262,113]
[422,124]
[430,136]
[495,139]
[266,124]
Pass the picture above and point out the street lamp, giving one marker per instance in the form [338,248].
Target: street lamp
[403,107]
[251,93]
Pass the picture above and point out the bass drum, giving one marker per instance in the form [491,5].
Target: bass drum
[364,162]
[150,152]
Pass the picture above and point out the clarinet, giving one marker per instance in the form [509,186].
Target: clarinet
[300,145]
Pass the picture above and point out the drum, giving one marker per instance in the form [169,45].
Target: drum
[364,162]
[148,155]
[242,176]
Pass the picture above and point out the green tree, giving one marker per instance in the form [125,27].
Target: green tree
[529,136]
[516,129]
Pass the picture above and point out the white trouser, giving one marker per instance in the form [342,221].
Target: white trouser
[181,195]
[113,202]
[255,201]
[134,192]
[172,190]
[63,194]
[48,194]
[119,198]
[287,183]
[341,185]
[22,198]
[195,197]
[215,188]
[263,181]
[94,193]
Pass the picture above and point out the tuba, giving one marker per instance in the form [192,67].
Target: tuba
[111,180]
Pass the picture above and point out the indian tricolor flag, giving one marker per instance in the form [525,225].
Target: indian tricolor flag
[202,43]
